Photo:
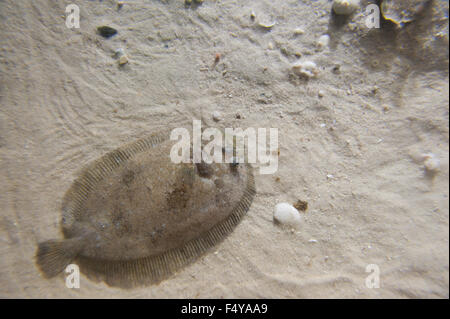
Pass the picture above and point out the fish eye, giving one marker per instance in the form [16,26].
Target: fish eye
[234,165]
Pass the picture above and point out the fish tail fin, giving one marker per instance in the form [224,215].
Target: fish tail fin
[53,256]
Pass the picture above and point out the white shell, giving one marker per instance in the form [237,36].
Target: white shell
[286,214]
[345,7]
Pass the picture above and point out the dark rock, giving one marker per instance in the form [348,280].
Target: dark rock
[106,31]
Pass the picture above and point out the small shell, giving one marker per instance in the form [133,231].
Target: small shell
[266,26]
[402,11]
[306,69]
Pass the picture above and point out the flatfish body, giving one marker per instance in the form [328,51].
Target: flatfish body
[134,217]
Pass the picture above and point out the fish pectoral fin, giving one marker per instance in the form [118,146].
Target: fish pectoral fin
[53,256]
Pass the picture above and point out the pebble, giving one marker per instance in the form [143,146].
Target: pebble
[286,214]
[345,7]
[217,58]
[306,69]
[336,69]
[352,26]
[119,52]
[106,31]
[323,41]
[216,116]
[299,31]
[301,205]
[123,59]
[431,162]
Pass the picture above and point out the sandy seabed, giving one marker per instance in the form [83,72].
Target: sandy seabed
[351,139]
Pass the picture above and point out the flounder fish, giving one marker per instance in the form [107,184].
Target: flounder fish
[134,217]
